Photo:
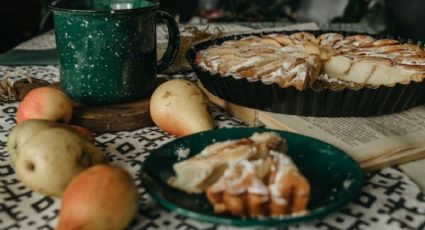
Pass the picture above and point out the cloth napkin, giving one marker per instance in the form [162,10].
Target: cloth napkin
[17,57]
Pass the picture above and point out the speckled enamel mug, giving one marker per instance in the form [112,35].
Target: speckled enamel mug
[107,48]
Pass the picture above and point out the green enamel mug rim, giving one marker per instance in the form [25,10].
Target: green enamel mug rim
[54,6]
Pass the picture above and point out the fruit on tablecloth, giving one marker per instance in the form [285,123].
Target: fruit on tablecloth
[101,197]
[85,132]
[45,103]
[22,132]
[47,156]
[180,107]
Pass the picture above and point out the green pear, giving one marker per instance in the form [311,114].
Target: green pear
[49,159]
[22,132]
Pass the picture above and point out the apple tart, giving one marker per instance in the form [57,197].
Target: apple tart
[302,58]
[313,73]
[250,177]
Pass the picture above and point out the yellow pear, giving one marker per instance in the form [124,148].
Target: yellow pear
[180,107]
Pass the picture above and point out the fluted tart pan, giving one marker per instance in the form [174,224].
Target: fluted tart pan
[329,101]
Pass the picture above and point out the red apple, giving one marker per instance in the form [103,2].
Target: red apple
[45,103]
[101,197]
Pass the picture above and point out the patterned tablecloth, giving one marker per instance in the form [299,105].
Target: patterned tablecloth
[389,198]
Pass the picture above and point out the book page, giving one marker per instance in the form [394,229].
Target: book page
[382,141]
[407,155]
[363,138]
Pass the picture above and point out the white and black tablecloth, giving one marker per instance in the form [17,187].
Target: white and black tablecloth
[389,198]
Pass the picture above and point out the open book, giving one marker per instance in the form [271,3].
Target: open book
[374,142]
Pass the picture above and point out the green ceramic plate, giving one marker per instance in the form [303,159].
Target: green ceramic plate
[335,177]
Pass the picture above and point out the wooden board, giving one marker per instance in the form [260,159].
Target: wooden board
[112,118]
[98,118]
[256,117]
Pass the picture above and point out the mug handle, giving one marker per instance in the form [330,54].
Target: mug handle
[173,40]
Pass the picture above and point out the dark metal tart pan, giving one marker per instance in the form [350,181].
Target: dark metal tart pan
[348,101]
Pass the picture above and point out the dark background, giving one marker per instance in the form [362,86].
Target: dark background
[19,21]
[22,19]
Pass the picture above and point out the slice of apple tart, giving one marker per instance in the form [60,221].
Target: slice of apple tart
[195,174]
[265,187]
[376,62]
[246,177]
[266,59]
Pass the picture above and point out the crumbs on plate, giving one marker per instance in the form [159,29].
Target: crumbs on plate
[182,152]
